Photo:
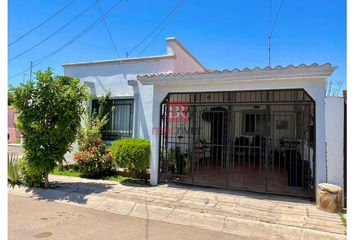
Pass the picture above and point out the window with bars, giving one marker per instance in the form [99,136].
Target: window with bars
[120,120]
[253,123]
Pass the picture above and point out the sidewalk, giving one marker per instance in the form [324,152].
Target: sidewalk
[257,216]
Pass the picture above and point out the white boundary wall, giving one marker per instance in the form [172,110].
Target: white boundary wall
[335,139]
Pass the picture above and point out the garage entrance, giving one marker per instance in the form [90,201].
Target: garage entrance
[259,141]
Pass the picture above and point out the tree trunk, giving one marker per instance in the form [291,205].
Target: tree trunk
[60,165]
[46,181]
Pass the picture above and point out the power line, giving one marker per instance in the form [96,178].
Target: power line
[156,28]
[114,8]
[39,25]
[270,16]
[98,21]
[109,32]
[18,74]
[52,34]
[271,28]
[276,18]
[158,33]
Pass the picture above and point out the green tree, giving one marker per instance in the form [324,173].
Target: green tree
[10,98]
[49,116]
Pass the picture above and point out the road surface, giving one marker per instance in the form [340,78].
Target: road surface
[33,219]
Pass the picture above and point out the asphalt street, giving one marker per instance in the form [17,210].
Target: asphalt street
[34,219]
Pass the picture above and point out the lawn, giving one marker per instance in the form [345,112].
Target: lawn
[66,172]
[116,178]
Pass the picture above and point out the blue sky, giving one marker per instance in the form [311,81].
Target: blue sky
[221,34]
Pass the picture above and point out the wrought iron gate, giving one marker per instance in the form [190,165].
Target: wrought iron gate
[252,140]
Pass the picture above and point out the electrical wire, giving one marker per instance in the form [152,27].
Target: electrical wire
[52,34]
[108,31]
[20,73]
[45,21]
[90,27]
[276,18]
[156,28]
[158,33]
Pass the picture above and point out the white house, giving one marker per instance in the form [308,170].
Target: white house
[260,129]
[114,76]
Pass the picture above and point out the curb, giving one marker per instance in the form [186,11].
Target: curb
[232,225]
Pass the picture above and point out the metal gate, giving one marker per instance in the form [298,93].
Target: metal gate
[252,140]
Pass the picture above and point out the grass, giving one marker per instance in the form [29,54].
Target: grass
[343,219]
[70,173]
[115,178]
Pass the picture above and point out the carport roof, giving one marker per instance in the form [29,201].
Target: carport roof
[279,72]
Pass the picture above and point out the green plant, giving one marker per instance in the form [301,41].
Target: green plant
[343,219]
[30,176]
[66,172]
[93,158]
[10,98]
[13,172]
[94,161]
[49,116]
[133,154]
[90,132]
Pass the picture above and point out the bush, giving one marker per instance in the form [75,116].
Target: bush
[13,172]
[133,154]
[95,161]
[29,176]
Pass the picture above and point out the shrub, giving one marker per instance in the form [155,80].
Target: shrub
[133,154]
[13,172]
[95,161]
[93,158]
[31,177]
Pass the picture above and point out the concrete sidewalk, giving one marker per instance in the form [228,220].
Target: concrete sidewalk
[257,216]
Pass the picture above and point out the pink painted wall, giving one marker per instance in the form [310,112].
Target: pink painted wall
[13,134]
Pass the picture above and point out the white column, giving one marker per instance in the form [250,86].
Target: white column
[154,141]
[134,84]
[155,135]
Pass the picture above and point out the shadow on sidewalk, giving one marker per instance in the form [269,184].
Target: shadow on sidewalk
[241,193]
[74,192]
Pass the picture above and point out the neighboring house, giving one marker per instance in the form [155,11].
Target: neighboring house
[260,129]
[14,135]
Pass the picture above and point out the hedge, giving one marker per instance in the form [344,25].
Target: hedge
[132,154]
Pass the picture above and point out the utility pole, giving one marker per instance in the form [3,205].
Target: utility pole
[31,70]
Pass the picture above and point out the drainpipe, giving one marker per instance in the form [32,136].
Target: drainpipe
[134,84]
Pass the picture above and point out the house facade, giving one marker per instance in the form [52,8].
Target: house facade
[132,111]
[260,129]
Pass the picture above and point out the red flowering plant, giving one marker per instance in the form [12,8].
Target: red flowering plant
[94,158]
